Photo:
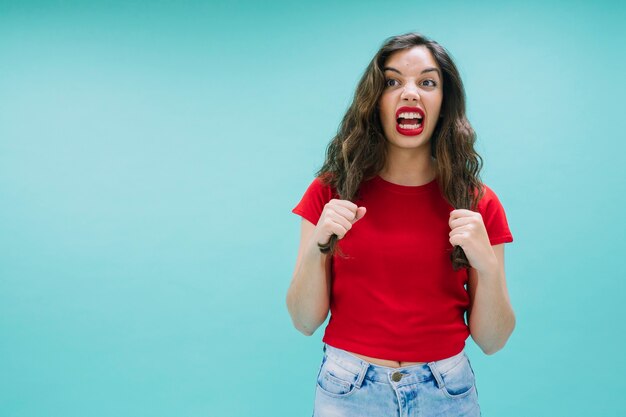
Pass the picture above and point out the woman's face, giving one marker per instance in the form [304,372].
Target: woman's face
[411,101]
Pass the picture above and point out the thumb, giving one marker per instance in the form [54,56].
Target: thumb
[360,212]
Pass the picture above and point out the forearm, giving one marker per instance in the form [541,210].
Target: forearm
[308,296]
[492,320]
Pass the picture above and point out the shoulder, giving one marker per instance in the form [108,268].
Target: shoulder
[488,200]
[322,185]
[318,193]
[494,217]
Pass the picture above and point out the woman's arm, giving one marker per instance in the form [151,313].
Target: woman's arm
[308,296]
[490,315]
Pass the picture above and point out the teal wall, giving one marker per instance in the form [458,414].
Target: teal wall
[151,152]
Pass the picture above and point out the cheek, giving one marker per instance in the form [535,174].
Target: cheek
[439,104]
[389,123]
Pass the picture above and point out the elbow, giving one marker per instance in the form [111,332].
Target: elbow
[495,347]
[304,326]
[306,329]
[491,350]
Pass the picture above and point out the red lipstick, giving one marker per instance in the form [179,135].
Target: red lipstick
[411,131]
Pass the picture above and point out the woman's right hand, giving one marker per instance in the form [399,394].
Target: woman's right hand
[337,218]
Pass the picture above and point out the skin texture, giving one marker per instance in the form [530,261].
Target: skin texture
[408,159]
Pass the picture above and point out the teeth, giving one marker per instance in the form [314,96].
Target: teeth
[410,115]
[410,126]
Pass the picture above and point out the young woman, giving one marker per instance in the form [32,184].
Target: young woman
[394,227]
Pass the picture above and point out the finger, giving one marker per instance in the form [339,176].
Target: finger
[456,241]
[341,221]
[458,238]
[460,221]
[344,203]
[462,230]
[359,214]
[343,211]
[335,224]
[455,214]
[340,228]
[468,216]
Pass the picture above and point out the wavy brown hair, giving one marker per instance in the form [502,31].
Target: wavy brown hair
[358,151]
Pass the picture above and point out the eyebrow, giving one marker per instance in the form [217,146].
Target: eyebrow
[423,71]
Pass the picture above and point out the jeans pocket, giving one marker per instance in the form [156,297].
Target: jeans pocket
[335,381]
[459,381]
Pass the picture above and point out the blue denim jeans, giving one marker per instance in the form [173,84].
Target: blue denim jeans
[351,387]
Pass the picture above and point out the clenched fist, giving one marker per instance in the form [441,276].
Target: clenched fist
[337,218]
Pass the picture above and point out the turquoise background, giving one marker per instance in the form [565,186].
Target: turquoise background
[151,153]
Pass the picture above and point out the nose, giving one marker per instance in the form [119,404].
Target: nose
[410,93]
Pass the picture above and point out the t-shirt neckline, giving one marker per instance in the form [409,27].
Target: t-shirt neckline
[406,189]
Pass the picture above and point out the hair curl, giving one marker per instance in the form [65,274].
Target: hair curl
[358,151]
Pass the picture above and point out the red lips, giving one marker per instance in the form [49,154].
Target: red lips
[414,131]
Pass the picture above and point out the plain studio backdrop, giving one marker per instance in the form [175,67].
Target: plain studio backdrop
[151,152]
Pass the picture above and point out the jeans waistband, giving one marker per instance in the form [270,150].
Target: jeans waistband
[397,376]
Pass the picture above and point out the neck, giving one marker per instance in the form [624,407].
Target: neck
[409,169]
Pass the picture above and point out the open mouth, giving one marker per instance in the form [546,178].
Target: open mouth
[410,121]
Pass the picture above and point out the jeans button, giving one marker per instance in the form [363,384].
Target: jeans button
[397,376]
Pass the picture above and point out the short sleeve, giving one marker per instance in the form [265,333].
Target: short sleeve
[494,218]
[313,201]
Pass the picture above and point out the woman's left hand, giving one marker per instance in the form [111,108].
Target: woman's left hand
[468,231]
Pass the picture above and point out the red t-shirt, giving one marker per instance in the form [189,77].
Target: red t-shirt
[396,295]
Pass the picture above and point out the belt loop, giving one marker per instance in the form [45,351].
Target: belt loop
[436,374]
[364,366]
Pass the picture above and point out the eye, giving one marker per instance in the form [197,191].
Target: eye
[389,82]
[434,83]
